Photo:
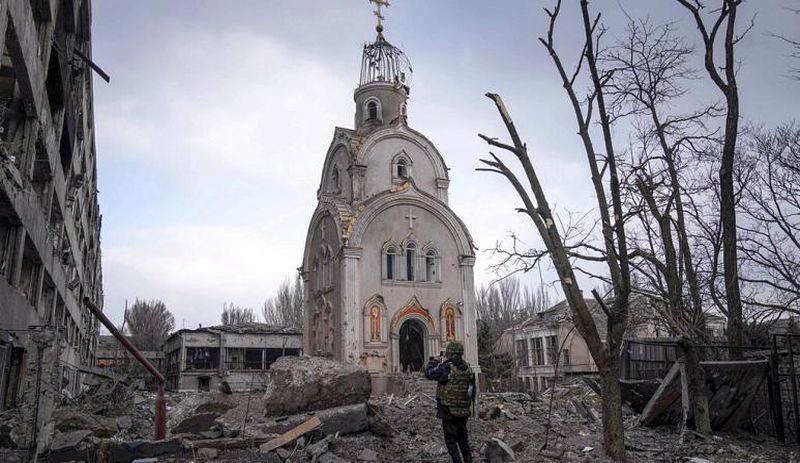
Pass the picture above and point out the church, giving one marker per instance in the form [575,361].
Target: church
[388,266]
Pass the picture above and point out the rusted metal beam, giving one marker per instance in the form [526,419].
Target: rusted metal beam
[161,408]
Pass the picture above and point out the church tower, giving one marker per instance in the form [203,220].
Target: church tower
[388,266]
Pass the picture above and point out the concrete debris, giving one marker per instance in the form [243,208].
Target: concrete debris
[137,449]
[367,455]
[124,422]
[402,427]
[207,453]
[497,451]
[71,419]
[302,384]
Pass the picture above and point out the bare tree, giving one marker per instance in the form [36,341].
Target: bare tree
[723,19]
[614,249]
[651,70]
[286,308]
[499,304]
[770,232]
[233,315]
[149,323]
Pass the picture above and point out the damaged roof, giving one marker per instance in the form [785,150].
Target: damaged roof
[247,328]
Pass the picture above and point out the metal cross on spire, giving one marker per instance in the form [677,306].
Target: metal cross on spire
[379,13]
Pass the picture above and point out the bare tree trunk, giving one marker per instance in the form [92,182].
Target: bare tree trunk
[695,397]
[613,426]
[727,205]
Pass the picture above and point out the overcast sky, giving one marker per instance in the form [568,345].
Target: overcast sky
[213,130]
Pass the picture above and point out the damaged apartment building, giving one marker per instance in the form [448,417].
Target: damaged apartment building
[49,213]
[226,357]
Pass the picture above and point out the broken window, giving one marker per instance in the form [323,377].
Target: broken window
[552,349]
[402,168]
[272,354]
[538,351]
[202,358]
[8,235]
[31,268]
[522,353]
[12,108]
[253,359]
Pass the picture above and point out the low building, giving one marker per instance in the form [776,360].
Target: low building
[111,355]
[538,341]
[202,359]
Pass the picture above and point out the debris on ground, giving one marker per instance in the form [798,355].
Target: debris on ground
[560,424]
[313,383]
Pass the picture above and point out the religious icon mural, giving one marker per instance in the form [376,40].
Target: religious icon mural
[450,324]
[375,323]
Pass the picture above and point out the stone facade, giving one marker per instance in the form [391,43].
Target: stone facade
[49,212]
[240,356]
[388,266]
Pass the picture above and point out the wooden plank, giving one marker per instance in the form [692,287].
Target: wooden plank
[289,436]
[664,397]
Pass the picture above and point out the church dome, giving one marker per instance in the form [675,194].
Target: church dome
[383,62]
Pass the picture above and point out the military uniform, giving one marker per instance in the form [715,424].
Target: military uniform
[454,397]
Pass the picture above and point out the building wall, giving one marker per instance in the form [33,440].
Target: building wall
[187,369]
[575,357]
[49,213]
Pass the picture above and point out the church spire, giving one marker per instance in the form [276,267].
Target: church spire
[384,84]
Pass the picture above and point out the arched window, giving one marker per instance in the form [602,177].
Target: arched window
[411,254]
[430,266]
[336,180]
[391,254]
[402,168]
[372,110]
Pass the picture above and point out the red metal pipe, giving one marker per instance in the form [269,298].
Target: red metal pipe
[161,408]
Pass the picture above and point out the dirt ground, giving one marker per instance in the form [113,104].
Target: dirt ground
[404,428]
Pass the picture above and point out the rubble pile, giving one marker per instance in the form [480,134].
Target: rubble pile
[561,424]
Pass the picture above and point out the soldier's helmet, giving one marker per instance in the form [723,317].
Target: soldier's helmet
[455,347]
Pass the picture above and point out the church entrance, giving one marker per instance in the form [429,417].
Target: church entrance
[412,345]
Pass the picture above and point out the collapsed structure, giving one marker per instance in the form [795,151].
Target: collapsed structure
[388,266]
[239,356]
[49,213]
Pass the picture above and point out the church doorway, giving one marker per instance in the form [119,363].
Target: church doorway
[412,345]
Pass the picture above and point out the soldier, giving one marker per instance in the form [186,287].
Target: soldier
[455,395]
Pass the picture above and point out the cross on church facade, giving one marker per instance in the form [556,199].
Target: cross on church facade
[411,217]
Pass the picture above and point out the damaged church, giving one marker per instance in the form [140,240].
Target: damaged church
[388,265]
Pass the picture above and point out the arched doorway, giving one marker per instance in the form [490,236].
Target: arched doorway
[412,345]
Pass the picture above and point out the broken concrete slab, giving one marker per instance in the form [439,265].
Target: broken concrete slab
[207,453]
[124,422]
[331,458]
[497,451]
[66,420]
[66,446]
[133,450]
[348,419]
[367,455]
[195,424]
[731,388]
[314,383]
